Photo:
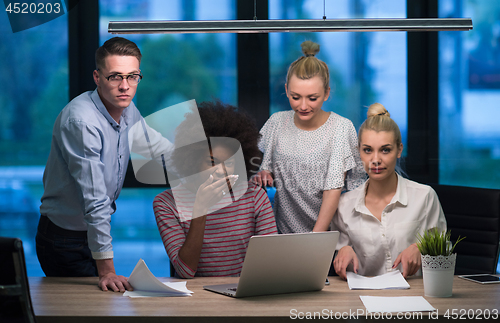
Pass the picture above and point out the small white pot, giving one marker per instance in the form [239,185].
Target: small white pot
[438,272]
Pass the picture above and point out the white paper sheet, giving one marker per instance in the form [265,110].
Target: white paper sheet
[401,304]
[145,284]
[390,280]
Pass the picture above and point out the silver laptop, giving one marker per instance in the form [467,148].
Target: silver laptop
[283,263]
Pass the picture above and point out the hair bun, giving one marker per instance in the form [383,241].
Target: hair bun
[377,109]
[309,48]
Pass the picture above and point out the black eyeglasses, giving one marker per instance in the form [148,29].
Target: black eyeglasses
[116,79]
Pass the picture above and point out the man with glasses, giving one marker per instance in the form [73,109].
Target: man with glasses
[86,168]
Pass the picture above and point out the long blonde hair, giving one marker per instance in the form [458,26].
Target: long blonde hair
[308,66]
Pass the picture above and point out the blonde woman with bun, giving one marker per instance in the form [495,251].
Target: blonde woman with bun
[379,221]
[308,153]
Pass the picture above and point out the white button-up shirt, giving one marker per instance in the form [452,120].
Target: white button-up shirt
[414,209]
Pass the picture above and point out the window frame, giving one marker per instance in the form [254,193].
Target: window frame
[422,162]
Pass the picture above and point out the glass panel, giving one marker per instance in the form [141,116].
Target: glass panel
[469,92]
[176,68]
[34,89]
[135,234]
[364,67]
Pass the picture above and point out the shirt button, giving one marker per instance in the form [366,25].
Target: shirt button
[383,235]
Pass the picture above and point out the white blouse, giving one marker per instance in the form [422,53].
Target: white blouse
[414,209]
[306,163]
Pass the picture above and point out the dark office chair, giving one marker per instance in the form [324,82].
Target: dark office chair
[15,299]
[473,213]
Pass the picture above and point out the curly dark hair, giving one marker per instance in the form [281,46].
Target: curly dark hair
[219,120]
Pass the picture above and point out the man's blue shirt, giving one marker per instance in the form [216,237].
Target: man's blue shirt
[86,169]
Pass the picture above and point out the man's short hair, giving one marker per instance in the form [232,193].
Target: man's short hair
[116,46]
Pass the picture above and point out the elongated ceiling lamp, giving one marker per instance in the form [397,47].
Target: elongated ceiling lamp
[300,25]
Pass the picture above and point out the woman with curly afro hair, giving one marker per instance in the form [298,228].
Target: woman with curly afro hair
[206,221]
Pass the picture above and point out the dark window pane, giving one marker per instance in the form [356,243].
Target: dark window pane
[34,73]
[364,67]
[179,67]
[176,68]
[469,92]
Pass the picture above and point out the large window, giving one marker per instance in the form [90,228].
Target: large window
[34,73]
[469,92]
[176,68]
[365,67]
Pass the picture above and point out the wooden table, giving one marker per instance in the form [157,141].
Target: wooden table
[77,300]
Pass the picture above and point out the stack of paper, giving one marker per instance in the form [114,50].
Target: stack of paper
[378,304]
[391,280]
[145,284]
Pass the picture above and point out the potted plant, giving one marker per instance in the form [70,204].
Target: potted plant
[438,261]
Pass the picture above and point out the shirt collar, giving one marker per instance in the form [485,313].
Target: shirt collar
[100,106]
[400,197]
[360,204]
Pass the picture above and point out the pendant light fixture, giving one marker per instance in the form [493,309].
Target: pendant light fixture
[297,25]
